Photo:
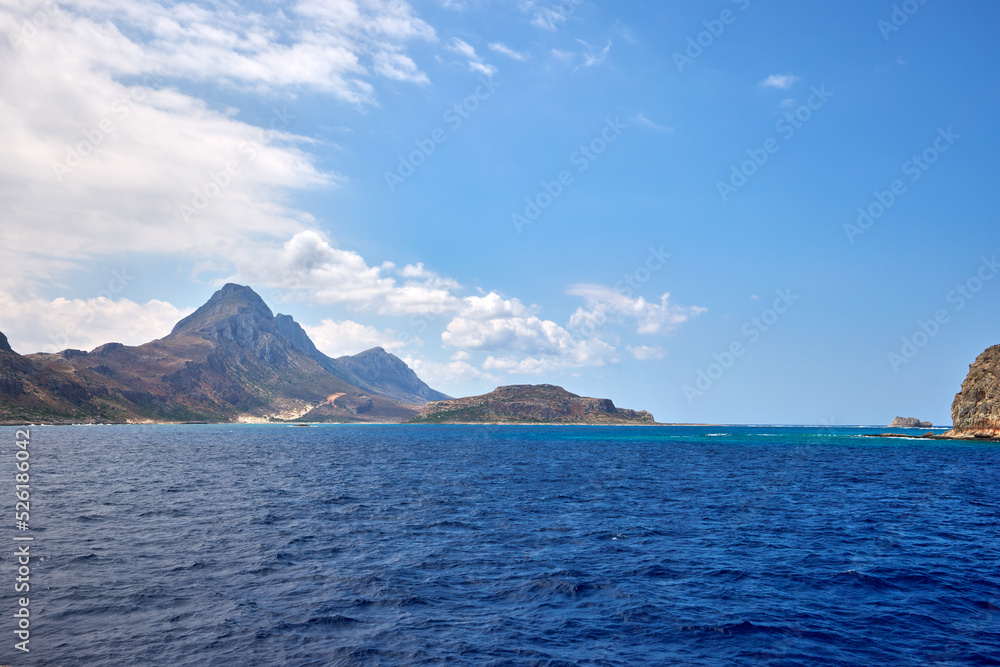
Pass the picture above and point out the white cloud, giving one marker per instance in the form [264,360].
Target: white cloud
[400,67]
[646,352]
[455,372]
[466,50]
[779,81]
[549,17]
[309,268]
[38,325]
[604,303]
[595,58]
[100,155]
[462,48]
[336,339]
[524,342]
[482,68]
[499,47]
[642,120]
[326,46]
[580,354]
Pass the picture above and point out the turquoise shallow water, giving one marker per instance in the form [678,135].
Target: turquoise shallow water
[372,545]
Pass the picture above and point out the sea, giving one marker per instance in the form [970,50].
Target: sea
[500,545]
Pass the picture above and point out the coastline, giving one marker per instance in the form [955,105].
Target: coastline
[930,435]
[17,424]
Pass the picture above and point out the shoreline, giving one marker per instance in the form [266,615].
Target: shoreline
[18,424]
[930,435]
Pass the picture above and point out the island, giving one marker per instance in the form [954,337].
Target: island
[975,412]
[529,404]
[909,422]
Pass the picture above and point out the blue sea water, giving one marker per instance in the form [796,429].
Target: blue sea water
[398,545]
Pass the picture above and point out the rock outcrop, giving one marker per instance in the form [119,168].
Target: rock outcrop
[975,413]
[909,422]
[529,404]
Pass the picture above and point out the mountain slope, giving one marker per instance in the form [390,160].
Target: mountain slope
[373,370]
[32,392]
[230,360]
[384,373]
[530,404]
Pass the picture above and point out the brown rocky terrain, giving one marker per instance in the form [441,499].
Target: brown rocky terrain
[529,404]
[231,360]
[909,422]
[975,413]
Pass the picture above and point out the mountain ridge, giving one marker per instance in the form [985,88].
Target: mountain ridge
[230,360]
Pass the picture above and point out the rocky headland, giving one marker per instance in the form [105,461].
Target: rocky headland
[975,412]
[529,404]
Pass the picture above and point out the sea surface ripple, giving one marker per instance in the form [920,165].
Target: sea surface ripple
[398,545]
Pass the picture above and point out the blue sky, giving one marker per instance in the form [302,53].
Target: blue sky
[657,204]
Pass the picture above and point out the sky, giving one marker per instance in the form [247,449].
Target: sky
[729,211]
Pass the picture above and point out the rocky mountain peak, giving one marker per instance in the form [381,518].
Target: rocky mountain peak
[235,311]
[230,359]
[386,373]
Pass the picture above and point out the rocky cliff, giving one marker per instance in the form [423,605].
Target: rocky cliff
[529,404]
[909,422]
[976,409]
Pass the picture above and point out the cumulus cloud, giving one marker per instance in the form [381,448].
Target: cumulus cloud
[309,268]
[605,304]
[779,81]
[578,354]
[454,372]
[336,339]
[101,153]
[40,325]
[518,340]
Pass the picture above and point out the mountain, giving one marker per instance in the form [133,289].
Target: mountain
[529,404]
[230,360]
[378,371]
[30,392]
[374,370]
[975,413]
